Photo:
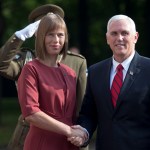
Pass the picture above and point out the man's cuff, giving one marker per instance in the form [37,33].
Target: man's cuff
[87,140]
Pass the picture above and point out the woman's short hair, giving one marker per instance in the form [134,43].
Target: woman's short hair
[49,23]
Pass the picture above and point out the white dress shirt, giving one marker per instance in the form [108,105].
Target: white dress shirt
[125,65]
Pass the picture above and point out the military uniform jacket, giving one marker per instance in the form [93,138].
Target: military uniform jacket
[13,58]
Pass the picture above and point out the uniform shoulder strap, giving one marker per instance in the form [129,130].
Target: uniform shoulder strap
[75,54]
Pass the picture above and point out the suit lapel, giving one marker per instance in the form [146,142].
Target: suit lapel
[132,73]
[104,79]
[108,96]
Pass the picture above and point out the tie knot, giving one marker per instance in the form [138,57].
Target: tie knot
[119,67]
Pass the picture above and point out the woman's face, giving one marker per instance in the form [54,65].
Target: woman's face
[54,41]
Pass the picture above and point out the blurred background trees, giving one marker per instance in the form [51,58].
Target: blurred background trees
[86,21]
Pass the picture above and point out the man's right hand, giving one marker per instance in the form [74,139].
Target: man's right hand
[79,135]
[28,31]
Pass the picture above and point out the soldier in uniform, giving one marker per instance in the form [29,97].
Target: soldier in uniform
[13,57]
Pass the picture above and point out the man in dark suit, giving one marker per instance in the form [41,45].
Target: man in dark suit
[125,125]
[13,57]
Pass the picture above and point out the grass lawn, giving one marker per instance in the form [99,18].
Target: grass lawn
[9,113]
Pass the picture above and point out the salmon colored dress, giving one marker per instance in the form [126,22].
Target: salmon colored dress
[53,91]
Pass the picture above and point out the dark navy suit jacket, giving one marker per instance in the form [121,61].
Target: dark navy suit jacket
[127,126]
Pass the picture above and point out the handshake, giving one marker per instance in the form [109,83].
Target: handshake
[78,135]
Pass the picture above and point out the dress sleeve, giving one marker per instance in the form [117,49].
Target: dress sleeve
[28,90]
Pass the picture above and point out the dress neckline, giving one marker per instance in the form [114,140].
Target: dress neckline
[50,67]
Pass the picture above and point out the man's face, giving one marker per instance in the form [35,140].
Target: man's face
[121,38]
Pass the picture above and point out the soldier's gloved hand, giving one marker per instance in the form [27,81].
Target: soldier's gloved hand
[28,31]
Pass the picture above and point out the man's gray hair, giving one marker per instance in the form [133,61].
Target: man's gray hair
[120,17]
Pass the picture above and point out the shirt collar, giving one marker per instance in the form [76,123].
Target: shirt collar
[125,63]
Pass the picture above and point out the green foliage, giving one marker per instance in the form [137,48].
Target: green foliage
[87,31]
[9,112]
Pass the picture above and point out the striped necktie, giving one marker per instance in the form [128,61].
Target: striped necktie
[117,84]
